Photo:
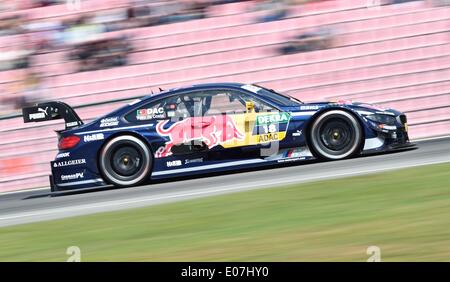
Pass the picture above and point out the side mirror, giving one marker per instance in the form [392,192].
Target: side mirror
[250,106]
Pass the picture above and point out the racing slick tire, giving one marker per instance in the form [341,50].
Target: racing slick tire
[125,161]
[336,135]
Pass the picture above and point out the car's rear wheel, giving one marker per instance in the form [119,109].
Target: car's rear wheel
[125,161]
[336,135]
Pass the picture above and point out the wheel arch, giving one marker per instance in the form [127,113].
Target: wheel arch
[124,133]
[311,121]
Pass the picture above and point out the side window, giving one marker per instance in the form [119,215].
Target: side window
[232,102]
[171,107]
[260,106]
[223,102]
[195,104]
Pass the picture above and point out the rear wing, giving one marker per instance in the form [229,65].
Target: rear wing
[51,111]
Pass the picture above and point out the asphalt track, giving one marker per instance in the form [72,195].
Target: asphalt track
[34,206]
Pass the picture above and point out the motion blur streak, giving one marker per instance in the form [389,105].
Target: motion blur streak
[28,207]
[96,55]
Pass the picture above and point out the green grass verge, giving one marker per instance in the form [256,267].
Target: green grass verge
[406,213]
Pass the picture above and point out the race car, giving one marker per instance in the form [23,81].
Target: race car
[211,128]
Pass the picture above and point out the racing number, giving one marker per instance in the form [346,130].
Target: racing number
[271,128]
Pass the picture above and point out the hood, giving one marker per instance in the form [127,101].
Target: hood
[356,106]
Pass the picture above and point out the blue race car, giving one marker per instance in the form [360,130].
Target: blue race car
[210,128]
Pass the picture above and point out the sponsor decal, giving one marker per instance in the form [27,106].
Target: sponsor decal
[108,122]
[42,113]
[273,118]
[199,160]
[298,152]
[271,127]
[69,163]
[70,124]
[263,138]
[291,160]
[63,155]
[297,133]
[146,114]
[78,175]
[94,137]
[309,108]
[212,130]
[174,163]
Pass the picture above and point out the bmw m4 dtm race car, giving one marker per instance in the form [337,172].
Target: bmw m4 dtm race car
[210,128]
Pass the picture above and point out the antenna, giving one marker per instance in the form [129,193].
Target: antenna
[160,89]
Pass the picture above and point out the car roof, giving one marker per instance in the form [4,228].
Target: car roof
[203,86]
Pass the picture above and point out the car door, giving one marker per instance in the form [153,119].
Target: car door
[249,127]
[217,124]
[210,122]
[164,116]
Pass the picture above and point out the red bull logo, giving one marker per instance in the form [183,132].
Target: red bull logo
[212,130]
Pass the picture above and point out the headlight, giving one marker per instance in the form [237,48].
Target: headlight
[384,119]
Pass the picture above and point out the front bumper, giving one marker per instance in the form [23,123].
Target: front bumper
[397,138]
[391,140]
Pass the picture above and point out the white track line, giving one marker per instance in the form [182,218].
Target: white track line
[137,202]
[24,190]
[431,138]
[47,188]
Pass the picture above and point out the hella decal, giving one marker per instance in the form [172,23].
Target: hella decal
[174,163]
[94,137]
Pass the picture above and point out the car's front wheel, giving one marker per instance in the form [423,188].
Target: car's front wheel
[335,135]
[125,161]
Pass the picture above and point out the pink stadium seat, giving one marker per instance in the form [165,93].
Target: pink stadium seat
[360,86]
[429,115]
[229,9]
[260,76]
[424,129]
[418,103]
[395,94]
[254,53]
[396,56]
[272,27]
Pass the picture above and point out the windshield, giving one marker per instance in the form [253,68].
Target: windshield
[283,99]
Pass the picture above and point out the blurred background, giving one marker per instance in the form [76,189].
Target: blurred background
[97,55]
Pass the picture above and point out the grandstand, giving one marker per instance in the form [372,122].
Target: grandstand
[393,55]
